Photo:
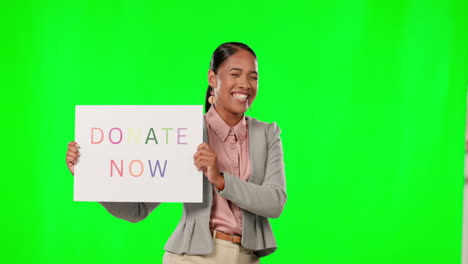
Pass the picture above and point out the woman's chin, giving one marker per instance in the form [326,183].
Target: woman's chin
[236,109]
[240,107]
[239,110]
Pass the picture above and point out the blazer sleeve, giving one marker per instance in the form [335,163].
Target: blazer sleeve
[130,211]
[267,199]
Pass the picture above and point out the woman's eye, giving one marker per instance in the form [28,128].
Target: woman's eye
[234,74]
[254,78]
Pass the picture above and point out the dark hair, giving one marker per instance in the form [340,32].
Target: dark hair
[222,53]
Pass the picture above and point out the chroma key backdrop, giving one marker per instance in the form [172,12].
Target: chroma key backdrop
[369,95]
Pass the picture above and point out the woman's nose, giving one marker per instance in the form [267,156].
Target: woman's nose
[243,83]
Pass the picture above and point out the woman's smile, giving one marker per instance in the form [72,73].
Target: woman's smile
[240,97]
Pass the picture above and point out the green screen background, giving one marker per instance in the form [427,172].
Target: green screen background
[369,95]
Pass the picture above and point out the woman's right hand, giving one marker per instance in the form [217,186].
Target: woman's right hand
[73,155]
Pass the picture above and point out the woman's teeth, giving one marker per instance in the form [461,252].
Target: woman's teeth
[239,96]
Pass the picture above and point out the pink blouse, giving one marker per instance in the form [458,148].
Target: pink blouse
[231,146]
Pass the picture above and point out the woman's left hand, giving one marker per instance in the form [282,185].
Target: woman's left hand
[205,159]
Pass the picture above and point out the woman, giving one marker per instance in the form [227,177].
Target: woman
[244,181]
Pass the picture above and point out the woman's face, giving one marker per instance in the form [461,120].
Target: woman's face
[235,84]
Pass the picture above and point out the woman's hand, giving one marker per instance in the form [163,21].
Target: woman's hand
[205,159]
[73,155]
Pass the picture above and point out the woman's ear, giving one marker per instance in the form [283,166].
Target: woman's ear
[212,79]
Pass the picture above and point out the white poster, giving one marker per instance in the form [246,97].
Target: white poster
[138,153]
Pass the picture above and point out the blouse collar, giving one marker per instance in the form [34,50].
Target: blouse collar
[221,129]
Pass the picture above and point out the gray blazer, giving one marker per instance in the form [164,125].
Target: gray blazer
[261,197]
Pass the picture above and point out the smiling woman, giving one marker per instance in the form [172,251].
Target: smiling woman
[242,162]
[238,76]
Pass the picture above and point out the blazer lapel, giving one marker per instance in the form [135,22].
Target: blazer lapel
[251,140]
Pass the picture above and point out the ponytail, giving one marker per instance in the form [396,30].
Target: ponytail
[208,94]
